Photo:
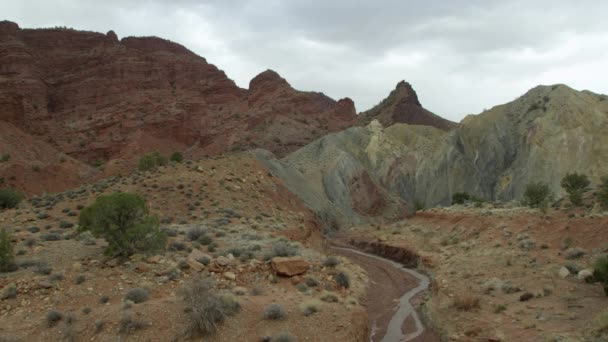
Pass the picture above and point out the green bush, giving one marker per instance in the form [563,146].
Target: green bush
[460,197]
[9,198]
[151,161]
[274,312]
[602,194]
[600,272]
[7,256]
[176,157]
[122,219]
[342,280]
[137,295]
[575,184]
[5,157]
[537,195]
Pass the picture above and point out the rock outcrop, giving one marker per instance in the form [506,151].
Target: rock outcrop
[102,100]
[289,266]
[402,106]
[372,171]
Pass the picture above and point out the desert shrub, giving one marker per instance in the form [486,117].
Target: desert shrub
[204,308]
[331,261]
[310,307]
[602,194]
[312,282]
[499,308]
[176,157]
[302,287]
[283,337]
[56,277]
[175,246]
[79,279]
[9,292]
[65,224]
[600,272]
[43,268]
[52,317]
[329,297]
[7,255]
[50,237]
[282,249]
[460,197]
[274,312]
[128,324]
[342,280]
[205,240]
[5,157]
[575,184]
[196,233]
[466,303]
[537,195]
[137,295]
[9,198]
[122,219]
[151,161]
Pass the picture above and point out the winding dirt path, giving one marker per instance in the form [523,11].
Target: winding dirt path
[391,315]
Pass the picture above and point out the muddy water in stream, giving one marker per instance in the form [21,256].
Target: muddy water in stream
[392,317]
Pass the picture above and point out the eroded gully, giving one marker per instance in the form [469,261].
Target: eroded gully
[392,287]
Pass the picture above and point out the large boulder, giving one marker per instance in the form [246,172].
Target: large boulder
[289,266]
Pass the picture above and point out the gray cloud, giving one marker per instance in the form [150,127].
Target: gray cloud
[461,56]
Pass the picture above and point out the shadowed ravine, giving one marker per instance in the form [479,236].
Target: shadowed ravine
[391,315]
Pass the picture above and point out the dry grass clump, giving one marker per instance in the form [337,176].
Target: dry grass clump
[466,303]
[206,309]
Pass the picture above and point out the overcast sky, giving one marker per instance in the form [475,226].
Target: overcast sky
[460,56]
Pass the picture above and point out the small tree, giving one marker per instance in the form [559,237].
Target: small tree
[575,184]
[9,198]
[151,161]
[537,195]
[600,272]
[6,252]
[602,194]
[460,197]
[176,157]
[122,219]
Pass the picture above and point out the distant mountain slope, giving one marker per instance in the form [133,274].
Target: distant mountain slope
[402,106]
[541,136]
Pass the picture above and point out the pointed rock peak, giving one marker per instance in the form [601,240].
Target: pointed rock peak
[268,80]
[404,92]
[112,35]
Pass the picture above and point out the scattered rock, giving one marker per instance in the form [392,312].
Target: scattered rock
[154,259]
[289,266]
[574,253]
[526,296]
[195,265]
[563,272]
[239,291]
[223,261]
[43,284]
[230,275]
[527,244]
[583,275]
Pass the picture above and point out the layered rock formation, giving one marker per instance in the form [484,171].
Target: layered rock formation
[402,106]
[103,100]
[371,171]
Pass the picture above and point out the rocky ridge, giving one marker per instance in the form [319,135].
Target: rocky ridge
[102,100]
[373,171]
